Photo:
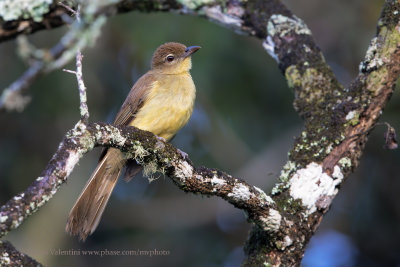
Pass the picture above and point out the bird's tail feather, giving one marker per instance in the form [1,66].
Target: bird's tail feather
[87,210]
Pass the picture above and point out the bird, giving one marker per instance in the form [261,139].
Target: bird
[161,101]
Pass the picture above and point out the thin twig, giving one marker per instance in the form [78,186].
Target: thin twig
[70,9]
[84,111]
[12,98]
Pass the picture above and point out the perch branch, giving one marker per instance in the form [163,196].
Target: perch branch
[154,154]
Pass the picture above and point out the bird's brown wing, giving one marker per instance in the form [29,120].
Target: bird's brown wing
[133,102]
[135,99]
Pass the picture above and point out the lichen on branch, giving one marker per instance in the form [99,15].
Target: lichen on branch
[337,122]
[148,150]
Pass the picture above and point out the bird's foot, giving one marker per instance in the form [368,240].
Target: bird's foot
[161,138]
[183,154]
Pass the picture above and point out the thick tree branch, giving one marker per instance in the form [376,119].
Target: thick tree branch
[12,26]
[9,256]
[154,154]
[318,163]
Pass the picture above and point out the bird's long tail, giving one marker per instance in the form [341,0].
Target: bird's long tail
[86,213]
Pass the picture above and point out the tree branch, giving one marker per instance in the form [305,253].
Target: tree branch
[155,155]
[84,110]
[337,123]
[9,256]
[82,33]
[267,20]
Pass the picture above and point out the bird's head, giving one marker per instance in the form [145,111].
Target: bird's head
[173,58]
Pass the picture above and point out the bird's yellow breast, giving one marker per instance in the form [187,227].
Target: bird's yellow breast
[168,105]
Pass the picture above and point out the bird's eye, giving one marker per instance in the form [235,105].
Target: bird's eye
[170,58]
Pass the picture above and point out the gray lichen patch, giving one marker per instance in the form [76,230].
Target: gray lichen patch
[283,244]
[116,135]
[194,4]
[373,59]
[353,117]
[72,160]
[282,25]
[272,222]
[149,169]
[5,259]
[139,152]
[380,51]
[345,162]
[269,46]
[314,187]
[216,183]
[264,198]
[288,169]
[81,137]
[3,219]
[216,14]
[25,9]
[241,192]
[182,171]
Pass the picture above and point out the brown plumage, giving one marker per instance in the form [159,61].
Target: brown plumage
[161,101]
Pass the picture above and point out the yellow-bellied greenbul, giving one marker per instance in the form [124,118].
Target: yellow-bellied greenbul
[161,102]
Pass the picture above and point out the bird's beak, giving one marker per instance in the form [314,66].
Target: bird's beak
[190,50]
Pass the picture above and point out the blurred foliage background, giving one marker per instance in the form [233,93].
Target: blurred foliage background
[243,123]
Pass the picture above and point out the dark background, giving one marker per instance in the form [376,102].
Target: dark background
[243,123]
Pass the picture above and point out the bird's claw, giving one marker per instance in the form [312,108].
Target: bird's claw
[161,138]
[183,154]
